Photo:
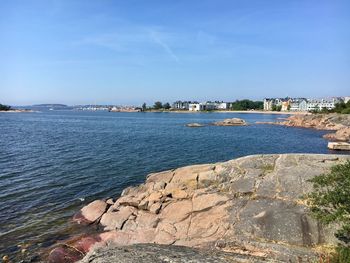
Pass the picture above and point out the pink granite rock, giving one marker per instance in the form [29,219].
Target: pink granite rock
[91,212]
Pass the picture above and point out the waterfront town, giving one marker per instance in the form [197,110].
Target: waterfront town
[268,104]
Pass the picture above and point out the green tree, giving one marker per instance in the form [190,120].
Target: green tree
[330,203]
[166,106]
[276,107]
[144,107]
[247,105]
[157,105]
[342,107]
[4,107]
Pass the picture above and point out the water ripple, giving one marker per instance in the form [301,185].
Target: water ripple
[50,160]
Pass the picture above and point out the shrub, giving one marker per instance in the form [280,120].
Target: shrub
[330,203]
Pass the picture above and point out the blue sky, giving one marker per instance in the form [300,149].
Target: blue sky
[128,52]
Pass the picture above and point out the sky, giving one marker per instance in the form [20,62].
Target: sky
[135,51]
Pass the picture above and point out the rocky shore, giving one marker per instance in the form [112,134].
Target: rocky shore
[339,123]
[245,210]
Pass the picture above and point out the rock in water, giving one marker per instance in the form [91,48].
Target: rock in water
[231,122]
[194,125]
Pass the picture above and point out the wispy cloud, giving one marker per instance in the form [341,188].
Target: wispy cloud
[134,40]
[156,38]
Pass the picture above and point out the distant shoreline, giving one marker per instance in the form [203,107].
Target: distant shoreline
[16,111]
[228,111]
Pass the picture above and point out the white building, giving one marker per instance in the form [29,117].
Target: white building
[195,107]
[319,104]
[182,105]
[203,106]
[301,104]
[269,103]
[223,106]
[298,105]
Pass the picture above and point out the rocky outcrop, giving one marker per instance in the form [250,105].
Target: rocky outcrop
[231,122]
[340,123]
[248,206]
[331,122]
[342,134]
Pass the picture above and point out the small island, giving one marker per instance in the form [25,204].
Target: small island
[6,108]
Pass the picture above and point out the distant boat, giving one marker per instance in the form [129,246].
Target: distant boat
[51,109]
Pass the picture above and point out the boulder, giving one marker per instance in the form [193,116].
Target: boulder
[91,212]
[64,254]
[115,220]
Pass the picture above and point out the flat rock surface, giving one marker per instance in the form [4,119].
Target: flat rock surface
[248,206]
[342,146]
[152,253]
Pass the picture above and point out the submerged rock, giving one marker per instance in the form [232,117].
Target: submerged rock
[231,122]
[249,206]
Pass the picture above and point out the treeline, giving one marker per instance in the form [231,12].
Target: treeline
[4,107]
[247,105]
[158,105]
[342,107]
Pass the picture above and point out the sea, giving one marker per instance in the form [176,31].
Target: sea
[54,162]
